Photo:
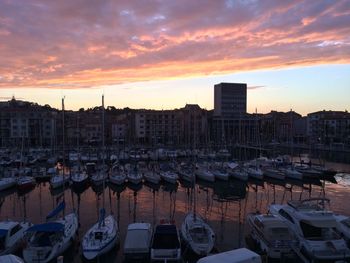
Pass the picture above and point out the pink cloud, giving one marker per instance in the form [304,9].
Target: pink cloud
[89,43]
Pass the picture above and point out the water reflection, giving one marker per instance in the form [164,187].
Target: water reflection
[224,204]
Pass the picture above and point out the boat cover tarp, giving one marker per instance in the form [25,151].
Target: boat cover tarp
[3,232]
[137,240]
[102,216]
[57,210]
[47,227]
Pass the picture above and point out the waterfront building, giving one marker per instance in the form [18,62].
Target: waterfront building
[230,100]
[329,127]
[279,126]
[229,121]
[26,123]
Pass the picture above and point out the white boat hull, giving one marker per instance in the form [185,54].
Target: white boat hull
[93,247]
[45,254]
[200,243]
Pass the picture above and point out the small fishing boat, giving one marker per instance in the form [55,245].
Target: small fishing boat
[11,235]
[101,237]
[197,234]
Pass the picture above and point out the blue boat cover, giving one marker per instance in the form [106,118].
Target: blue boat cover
[3,232]
[56,211]
[47,227]
[102,215]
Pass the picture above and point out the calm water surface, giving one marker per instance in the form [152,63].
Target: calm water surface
[224,205]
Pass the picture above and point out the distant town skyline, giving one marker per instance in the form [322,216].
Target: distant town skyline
[162,55]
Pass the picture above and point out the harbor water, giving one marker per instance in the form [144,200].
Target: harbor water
[224,205]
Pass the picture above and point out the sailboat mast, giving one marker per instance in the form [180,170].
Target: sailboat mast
[63,137]
[103,150]
[63,152]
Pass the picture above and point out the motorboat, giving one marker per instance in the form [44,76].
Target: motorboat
[165,245]
[137,242]
[7,182]
[197,234]
[240,255]
[10,259]
[315,229]
[344,227]
[101,237]
[11,235]
[271,235]
[49,240]
[202,172]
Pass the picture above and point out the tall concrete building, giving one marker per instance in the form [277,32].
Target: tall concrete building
[230,100]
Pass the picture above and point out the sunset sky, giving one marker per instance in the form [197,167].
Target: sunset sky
[164,54]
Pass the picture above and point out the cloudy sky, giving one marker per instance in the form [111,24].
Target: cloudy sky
[163,54]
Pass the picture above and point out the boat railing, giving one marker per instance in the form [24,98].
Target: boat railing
[317,204]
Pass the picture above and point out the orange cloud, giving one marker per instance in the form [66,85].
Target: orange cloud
[81,45]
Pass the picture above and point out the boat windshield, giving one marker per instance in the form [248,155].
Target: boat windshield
[2,242]
[43,239]
[99,235]
[279,233]
[199,235]
[346,222]
[318,233]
